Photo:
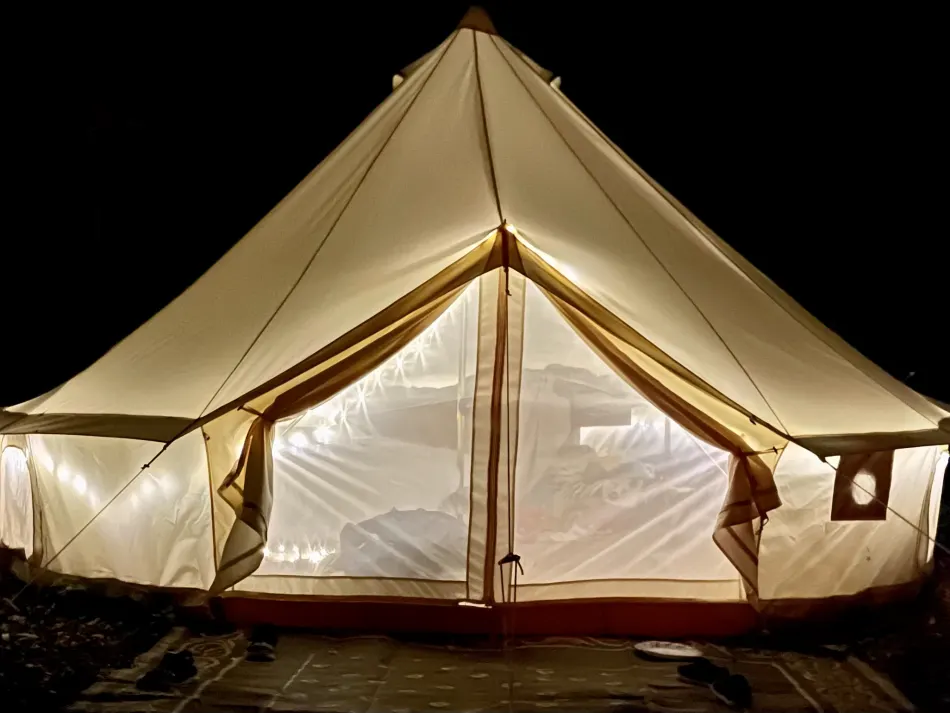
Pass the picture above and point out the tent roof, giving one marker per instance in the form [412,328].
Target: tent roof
[473,138]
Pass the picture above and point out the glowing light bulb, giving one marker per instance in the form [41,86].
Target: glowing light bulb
[63,474]
[79,483]
[316,556]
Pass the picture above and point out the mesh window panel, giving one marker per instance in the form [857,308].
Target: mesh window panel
[606,486]
[374,482]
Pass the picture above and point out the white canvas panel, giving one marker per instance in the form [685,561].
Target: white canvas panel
[812,389]
[157,532]
[375,482]
[16,501]
[804,554]
[606,487]
[176,361]
[425,203]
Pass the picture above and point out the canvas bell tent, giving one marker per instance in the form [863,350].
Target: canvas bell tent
[479,357]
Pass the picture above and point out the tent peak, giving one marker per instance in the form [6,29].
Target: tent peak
[477,19]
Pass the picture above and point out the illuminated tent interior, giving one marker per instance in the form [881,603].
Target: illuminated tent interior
[478,360]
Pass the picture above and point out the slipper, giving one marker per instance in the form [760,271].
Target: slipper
[734,690]
[260,652]
[262,646]
[702,672]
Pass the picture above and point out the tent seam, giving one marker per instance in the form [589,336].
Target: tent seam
[211,494]
[637,234]
[336,222]
[491,159]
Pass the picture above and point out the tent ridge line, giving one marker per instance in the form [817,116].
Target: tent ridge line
[488,149]
[336,222]
[637,234]
[759,278]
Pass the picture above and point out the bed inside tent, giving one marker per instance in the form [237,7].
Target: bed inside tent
[479,365]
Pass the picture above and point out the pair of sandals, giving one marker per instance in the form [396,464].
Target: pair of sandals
[731,688]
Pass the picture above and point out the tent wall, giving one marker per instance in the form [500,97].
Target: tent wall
[156,532]
[383,466]
[806,555]
[427,427]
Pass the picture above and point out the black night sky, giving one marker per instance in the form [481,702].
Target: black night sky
[142,148]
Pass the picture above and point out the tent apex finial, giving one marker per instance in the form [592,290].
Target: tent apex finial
[477,19]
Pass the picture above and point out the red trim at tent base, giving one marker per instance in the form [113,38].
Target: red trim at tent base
[669,619]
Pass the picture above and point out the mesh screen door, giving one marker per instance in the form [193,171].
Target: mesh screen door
[607,488]
[374,483]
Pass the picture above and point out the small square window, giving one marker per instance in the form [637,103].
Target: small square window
[862,486]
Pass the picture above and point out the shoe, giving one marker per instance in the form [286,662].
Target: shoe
[734,690]
[702,672]
[260,652]
[262,646]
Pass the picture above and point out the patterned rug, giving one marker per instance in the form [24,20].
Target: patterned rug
[382,675]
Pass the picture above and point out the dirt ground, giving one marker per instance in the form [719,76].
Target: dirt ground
[912,645]
[55,641]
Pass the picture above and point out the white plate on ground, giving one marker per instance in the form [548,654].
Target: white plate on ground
[667,650]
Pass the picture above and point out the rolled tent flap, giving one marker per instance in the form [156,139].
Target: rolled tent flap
[250,493]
